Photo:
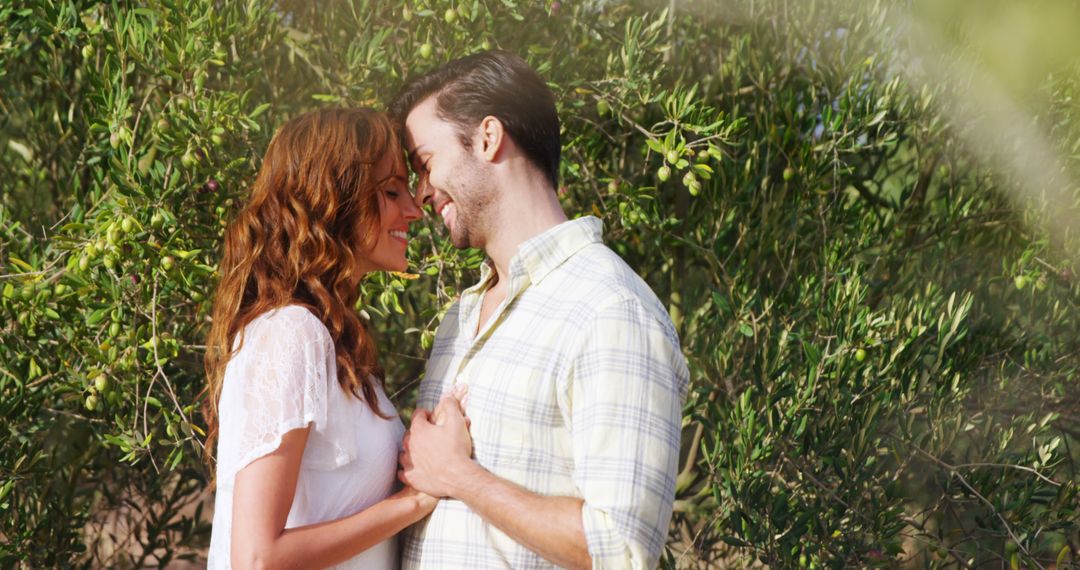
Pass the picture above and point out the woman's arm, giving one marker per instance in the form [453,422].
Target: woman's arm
[263,494]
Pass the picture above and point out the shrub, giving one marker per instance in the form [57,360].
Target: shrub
[883,345]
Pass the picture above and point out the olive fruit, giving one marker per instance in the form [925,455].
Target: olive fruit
[860,355]
[789,173]
[91,402]
[102,383]
[426,50]
[450,15]
[147,161]
[692,184]
[168,262]
[188,159]
[663,173]
[602,108]
[672,156]
[88,51]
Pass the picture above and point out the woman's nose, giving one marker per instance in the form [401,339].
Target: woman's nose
[411,208]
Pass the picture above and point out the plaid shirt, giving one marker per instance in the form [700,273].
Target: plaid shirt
[576,386]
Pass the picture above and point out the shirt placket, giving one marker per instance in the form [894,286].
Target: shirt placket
[519,280]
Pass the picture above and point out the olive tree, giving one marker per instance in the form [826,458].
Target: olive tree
[882,343]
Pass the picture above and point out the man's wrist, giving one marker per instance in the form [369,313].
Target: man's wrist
[463,476]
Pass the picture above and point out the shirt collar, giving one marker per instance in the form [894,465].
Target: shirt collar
[539,255]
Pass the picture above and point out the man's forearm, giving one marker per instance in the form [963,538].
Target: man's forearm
[549,526]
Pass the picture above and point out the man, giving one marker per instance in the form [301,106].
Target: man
[574,373]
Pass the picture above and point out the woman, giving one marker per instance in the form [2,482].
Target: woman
[307,439]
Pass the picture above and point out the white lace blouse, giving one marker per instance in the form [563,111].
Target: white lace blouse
[285,377]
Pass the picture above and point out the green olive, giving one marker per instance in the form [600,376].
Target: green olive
[102,383]
[663,173]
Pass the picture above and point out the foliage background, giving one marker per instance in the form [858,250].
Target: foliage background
[871,267]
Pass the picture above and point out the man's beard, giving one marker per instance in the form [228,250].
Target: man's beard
[475,207]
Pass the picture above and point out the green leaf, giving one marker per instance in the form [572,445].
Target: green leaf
[96,316]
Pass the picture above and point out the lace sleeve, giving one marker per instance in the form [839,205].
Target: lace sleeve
[284,382]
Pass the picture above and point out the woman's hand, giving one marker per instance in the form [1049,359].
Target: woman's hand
[456,398]
[425,503]
[438,447]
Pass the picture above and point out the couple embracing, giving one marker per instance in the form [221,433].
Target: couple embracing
[547,431]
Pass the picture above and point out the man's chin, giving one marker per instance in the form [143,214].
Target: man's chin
[460,241]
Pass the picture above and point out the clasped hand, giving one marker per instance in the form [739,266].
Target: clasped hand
[438,447]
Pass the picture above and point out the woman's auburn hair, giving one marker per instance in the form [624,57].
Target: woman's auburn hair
[312,214]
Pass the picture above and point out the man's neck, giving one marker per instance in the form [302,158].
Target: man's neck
[525,212]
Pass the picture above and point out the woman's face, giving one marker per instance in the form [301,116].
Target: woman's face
[396,211]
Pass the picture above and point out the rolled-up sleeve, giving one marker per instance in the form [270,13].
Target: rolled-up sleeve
[626,389]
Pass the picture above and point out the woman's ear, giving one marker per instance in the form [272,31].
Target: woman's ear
[492,137]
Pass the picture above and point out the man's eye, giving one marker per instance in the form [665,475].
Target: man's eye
[392,194]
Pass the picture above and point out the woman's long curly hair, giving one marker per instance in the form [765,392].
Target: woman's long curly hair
[312,214]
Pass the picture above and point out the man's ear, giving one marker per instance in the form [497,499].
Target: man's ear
[491,138]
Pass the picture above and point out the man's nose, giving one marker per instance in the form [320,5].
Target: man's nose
[423,192]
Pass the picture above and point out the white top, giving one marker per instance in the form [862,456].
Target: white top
[285,377]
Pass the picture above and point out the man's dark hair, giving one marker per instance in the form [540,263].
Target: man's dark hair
[495,83]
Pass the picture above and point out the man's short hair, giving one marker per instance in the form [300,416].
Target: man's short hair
[495,83]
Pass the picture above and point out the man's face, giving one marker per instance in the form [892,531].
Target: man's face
[450,177]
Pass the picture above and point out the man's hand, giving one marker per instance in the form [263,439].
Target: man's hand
[437,449]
